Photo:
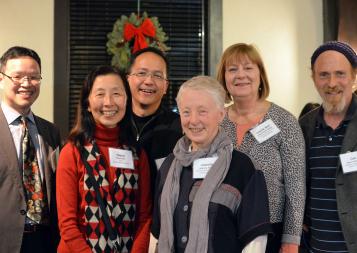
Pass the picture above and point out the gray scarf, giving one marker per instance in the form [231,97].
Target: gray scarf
[199,228]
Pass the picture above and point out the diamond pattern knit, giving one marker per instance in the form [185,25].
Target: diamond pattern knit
[118,203]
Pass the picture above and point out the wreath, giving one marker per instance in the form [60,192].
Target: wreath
[133,33]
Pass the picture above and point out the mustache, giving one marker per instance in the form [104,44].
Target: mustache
[334,89]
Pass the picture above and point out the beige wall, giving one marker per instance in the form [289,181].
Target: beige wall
[286,33]
[30,24]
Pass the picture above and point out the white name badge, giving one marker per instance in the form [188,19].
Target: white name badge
[121,158]
[265,130]
[349,162]
[159,162]
[202,166]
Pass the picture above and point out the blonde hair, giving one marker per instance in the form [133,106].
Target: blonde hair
[239,51]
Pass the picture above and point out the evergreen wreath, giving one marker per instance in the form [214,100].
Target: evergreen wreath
[134,33]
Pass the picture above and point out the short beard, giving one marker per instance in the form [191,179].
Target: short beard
[334,109]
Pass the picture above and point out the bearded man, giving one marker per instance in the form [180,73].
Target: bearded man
[330,133]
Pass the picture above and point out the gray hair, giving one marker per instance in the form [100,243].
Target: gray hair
[205,83]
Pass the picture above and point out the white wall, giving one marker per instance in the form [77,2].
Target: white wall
[30,24]
[286,32]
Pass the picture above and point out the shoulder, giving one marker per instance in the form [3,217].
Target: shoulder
[167,121]
[168,116]
[2,115]
[48,131]
[230,128]
[68,156]
[165,166]
[68,149]
[43,122]
[226,122]
[45,125]
[164,170]
[286,121]
[281,115]
[353,121]
[309,118]
[69,164]
[169,113]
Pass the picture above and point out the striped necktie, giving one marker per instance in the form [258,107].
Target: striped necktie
[31,176]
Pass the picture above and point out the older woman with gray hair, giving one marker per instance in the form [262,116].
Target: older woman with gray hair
[209,197]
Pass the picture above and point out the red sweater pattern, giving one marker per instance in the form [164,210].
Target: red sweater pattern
[70,195]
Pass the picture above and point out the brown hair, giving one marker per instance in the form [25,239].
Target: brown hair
[238,51]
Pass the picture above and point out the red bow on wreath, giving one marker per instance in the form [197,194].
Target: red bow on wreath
[147,28]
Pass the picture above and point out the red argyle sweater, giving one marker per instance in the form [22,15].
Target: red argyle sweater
[70,195]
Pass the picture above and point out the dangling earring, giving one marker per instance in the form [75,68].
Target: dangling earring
[260,85]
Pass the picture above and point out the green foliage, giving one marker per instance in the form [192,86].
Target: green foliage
[121,49]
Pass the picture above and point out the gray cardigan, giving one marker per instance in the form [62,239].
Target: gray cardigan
[346,184]
[282,159]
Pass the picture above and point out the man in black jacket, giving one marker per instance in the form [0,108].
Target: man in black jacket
[156,129]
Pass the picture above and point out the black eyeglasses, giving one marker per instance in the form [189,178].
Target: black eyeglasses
[19,79]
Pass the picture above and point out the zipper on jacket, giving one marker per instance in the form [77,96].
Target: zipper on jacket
[138,134]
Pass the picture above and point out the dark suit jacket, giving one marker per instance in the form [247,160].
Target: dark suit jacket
[12,198]
[346,184]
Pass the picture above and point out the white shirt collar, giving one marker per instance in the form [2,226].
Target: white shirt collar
[11,114]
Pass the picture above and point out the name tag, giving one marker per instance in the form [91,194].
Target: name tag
[202,166]
[265,131]
[159,162]
[121,158]
[349,162]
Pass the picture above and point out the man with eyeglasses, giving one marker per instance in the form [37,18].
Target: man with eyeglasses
[154,127]
[28,148]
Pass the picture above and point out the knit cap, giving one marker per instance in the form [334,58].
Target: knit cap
[338,46]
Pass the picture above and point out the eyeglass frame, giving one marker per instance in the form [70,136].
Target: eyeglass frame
[21,80]
[147,74]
